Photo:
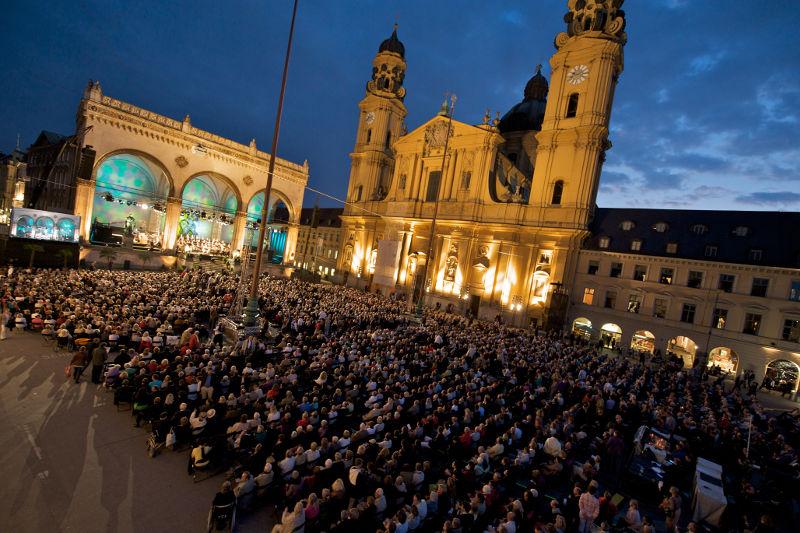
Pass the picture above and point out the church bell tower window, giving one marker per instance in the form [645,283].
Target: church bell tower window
[572,105]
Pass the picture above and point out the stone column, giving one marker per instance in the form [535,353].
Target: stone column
[239,221]
[171,220]
[291,242]
[84,202]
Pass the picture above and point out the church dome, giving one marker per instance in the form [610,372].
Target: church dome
[528,114]
[393,44]
[537,87]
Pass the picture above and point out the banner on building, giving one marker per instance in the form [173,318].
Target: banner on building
[386,263]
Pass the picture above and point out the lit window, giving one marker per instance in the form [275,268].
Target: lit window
[588,296]
[603,242]
[699,229]
[627,225]
[640,272]
[661,227]
[741,231]
[710,250]
[759,287]
[672,247]
[666,276]
[688,312]
[634,303]
[752,322]
[720,318]
[754,255]
[791,329]
[794,292]
[636,245]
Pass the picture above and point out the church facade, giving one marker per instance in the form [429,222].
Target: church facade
[509,200]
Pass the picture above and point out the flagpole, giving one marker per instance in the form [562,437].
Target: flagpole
[428,257]
[251,311]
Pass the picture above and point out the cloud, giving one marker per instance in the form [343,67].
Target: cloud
[705,63]
[674,4]
[769,198]
[514,17]
[779,97]
[615,178]
[662,95]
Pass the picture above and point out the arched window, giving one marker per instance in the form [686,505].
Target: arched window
[572,105]
[558,190]
[369,136]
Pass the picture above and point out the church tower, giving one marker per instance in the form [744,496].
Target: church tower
[380,124]
[574,135]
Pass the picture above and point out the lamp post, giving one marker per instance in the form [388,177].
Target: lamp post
[423,285]
[251,311]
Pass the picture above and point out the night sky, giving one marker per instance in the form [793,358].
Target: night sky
[705,117]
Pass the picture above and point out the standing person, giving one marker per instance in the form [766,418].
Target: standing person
[589,507]
[99,355]
[672,508]
[78,363]
[4,318]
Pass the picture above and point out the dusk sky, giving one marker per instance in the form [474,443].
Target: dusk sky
[706,113]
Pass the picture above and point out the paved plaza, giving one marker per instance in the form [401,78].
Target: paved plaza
[71,462]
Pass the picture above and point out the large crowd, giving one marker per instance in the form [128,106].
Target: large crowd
[348,414]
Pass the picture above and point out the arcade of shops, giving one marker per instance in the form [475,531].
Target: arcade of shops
[778,373]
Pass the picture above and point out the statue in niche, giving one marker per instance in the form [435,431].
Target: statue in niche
[451,267]
[511,185]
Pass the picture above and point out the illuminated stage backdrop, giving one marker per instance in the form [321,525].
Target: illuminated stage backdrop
[133,191]
[203,194]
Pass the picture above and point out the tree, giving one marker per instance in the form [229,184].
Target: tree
[33,248]
[66,253]
[110,254]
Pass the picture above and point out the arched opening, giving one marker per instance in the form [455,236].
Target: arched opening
[558,190]
[781,376]
[683,347]
[643,341]
[572,105]
[130,201]
[725,359]
[208,208]
[278,218]
[610,335]
[582,327]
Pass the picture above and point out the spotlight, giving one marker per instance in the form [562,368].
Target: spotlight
[144,206]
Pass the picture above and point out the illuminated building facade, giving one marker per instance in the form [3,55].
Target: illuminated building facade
[515,195]
[168,181]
